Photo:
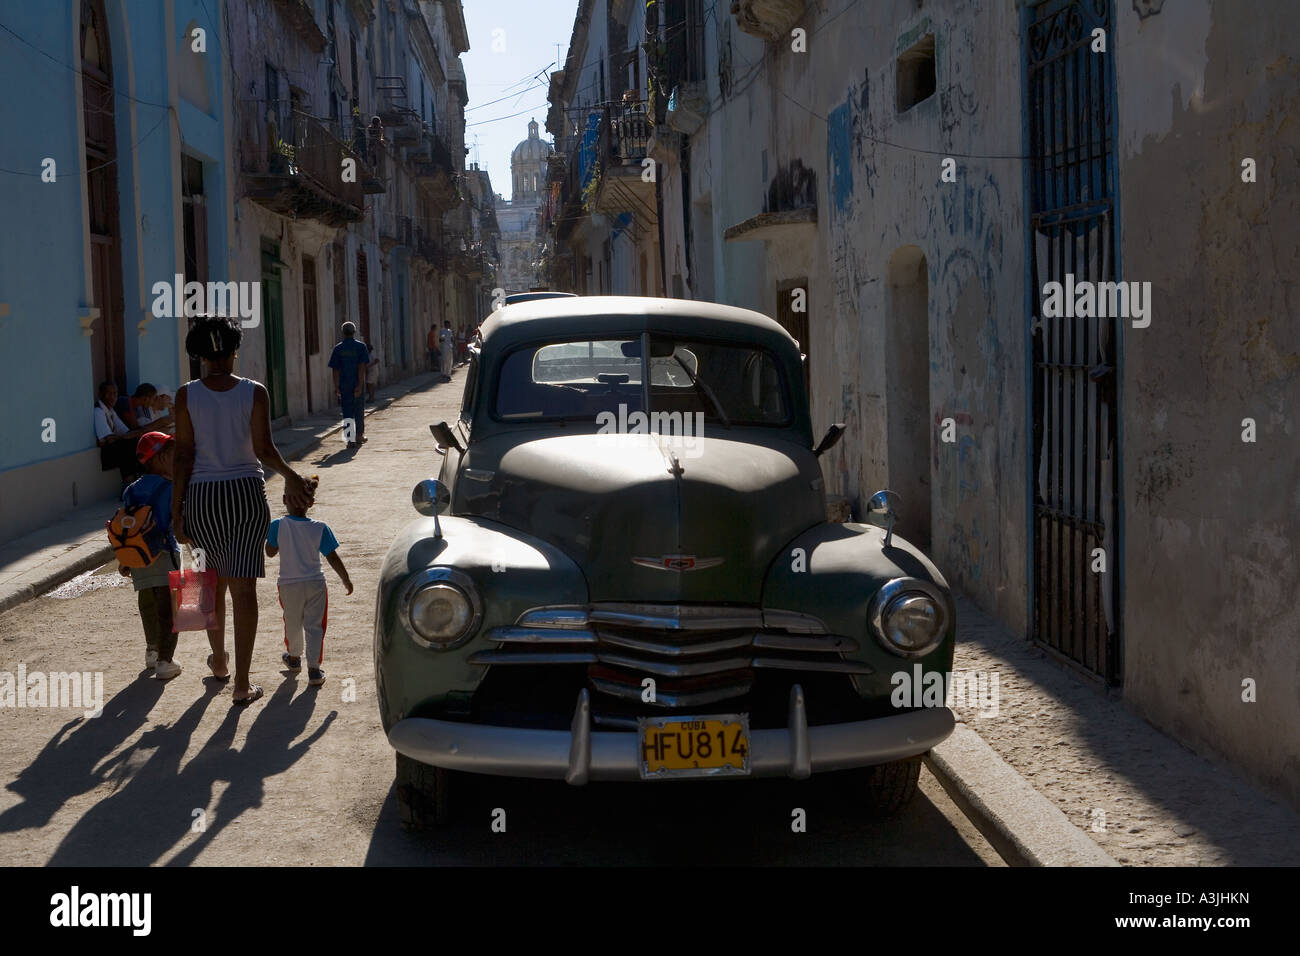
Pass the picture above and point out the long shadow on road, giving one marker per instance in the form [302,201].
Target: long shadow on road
[154,810]
[75,761]
[690,823]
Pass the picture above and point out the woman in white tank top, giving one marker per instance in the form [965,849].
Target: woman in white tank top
[223,437]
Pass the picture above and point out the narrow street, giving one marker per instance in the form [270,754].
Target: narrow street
[173,774]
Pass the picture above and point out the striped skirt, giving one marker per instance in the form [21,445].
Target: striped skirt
[229,520]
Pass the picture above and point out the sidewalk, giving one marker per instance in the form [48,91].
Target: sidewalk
[1137,793]
[44,559]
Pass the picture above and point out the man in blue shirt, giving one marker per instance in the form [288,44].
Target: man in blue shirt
[349,360]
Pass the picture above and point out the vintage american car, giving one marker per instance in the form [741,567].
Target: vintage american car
[625,571]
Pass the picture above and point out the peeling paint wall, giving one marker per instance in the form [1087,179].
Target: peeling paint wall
[884,194]
[782,119]
[1213,523]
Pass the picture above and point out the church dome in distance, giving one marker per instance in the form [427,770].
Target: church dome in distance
[532,148]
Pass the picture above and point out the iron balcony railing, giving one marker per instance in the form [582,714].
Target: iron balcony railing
[625,133]
[622,139]
[301,149]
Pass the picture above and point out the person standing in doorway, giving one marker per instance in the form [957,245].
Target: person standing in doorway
[223,436]
[447,344]
[349,361]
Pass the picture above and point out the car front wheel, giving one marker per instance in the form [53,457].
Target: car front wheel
[423,794]
[886,788]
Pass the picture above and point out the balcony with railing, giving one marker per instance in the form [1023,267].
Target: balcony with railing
[402,124]
[296,166]
[426,247]
[621,149]
[435,171]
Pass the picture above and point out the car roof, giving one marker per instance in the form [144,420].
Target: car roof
[612,314]
[532,296]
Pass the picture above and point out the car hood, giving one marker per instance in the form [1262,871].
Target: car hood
[650,517]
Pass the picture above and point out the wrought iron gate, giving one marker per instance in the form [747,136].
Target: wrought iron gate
[1070,107]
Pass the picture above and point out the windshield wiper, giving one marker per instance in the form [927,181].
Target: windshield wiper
[705,391]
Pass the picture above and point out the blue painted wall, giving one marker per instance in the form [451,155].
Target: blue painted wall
[44,275]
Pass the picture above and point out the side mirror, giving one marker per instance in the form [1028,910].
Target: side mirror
[431,497]
[445,437]
[830,440]
[882,511]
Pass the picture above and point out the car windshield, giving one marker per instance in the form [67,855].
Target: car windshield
[718,382]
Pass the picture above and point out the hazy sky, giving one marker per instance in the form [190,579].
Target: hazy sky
[503,64]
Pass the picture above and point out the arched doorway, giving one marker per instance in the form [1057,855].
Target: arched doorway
[108,350]
[907,383]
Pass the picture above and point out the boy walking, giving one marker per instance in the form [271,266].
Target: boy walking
[154,488]
[300,541]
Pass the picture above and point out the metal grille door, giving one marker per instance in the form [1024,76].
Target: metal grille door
[1070,105]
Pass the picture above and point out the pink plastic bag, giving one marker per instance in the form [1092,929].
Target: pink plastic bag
[194,599]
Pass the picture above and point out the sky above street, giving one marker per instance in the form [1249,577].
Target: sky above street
[511,43]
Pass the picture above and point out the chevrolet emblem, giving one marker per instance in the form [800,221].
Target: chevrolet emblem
[677,562]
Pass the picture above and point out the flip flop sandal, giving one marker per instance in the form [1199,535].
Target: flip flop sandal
[245,701]
[222,678]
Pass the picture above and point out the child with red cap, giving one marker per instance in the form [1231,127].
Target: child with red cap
[154,488]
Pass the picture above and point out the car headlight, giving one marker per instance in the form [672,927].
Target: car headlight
[910,617]
[441,608]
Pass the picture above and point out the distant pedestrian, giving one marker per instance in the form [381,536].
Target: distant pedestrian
[223,435]
[349,360]
[447,345]
[116,441]
[155,452]
[433,353]
[372,372]
[300,541]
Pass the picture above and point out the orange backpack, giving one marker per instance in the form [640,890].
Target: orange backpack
[130,533]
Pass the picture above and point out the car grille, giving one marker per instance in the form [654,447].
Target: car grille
[696,654]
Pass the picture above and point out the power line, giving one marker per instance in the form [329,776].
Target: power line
[497,119]
[512,96]
[77,72]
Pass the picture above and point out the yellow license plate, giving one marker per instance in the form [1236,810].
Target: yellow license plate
[694,746]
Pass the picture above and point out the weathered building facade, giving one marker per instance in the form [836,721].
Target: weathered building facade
[601,216]
[380,84]
[309,151]
[114,175]
[899,184]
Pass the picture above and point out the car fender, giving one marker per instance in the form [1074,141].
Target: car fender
[512,573]
[832,571]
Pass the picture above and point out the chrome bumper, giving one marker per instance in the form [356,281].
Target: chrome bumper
[581,754]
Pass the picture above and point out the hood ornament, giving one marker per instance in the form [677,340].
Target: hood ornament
[677,562]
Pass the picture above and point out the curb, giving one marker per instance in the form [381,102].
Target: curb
[1023,826]
[52,579]
[92,558]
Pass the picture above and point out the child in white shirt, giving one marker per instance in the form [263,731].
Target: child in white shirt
[300,541]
